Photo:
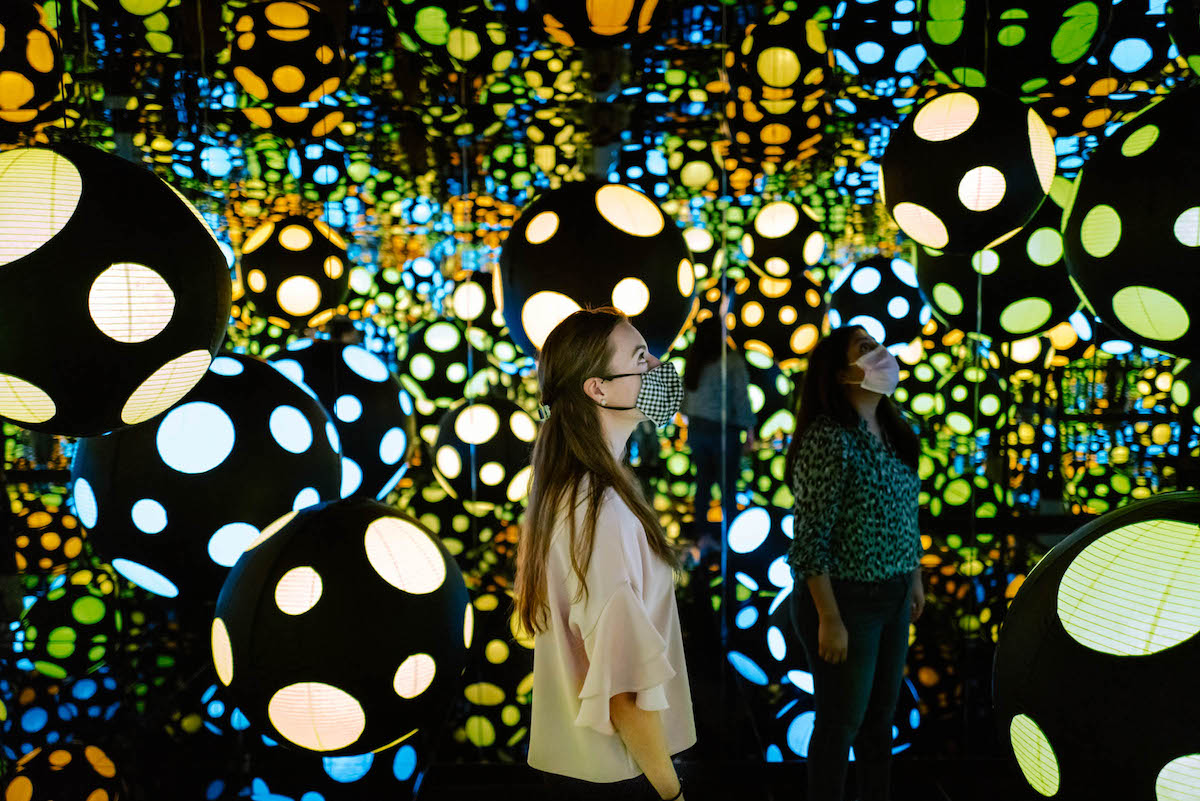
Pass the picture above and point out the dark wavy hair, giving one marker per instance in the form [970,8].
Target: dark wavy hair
[822,394]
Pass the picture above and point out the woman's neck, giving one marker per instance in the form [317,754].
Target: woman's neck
[864,401]
[616,432]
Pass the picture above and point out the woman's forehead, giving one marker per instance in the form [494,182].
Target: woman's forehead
[626,338]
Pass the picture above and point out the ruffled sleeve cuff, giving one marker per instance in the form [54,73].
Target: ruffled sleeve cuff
[626,654]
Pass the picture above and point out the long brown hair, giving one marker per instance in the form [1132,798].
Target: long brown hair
[822,394]
[570,446]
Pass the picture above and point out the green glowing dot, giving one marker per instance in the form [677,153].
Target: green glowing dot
[1151,313]
[1100,231]
[948,298]
[1011,35]
[1044,247]
[88,610]
[1187,227]
[1034,754]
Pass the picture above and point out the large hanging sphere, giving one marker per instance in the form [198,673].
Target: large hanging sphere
[71,629]
[285,52]
[881,295]
[1114,606]
[298,640]
[1008,45]
[172,503]
[31,63]
[966,170]
[481,455]
[1025,286]
[134,282]
[65,770]
[1134,220]
[780,318]
[589,243]
[575,22]
[295,271]
[371,412]
[43,537]
[783,240]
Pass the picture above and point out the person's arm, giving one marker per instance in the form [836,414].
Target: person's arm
[642,732]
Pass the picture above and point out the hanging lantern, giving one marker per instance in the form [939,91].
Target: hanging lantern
[882,296]
[966,170]
[31,64]
[780,318]
[1126,236]
[136,284]
[285,52]
[783,240]
[590,24]
[482,453]
[295,271]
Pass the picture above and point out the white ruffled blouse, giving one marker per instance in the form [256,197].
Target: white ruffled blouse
[623,636]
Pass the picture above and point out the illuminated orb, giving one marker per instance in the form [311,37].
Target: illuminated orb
[342,632]
[295,271]
[1113,605]
[31,66]
[578,23]
[881,295]
[64,770]
[140,300]
[285,52]
[778,317]
[481,455]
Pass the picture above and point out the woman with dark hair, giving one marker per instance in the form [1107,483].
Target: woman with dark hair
[595,573]
[855,556]
[717,405]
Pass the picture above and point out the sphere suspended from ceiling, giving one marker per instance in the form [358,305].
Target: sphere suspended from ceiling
[783,240]
[881,295]
[1133,219]
[482,453]
[285,52]
[295,271]
[966,170]
[247,435]
[71,629]
[65,770]
[31,65]
[589,24]
[297,635]
[135,283]
[1112,605]
[594,244]
[780,318]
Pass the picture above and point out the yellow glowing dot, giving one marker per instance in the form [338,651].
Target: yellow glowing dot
[698,240]
[522,426]
[1100,231]
[518,488]
[24,402]
[776,219]
[946,117]
[631,295]
[330,234]
[448,462]
[254,85]
[696,174]
[480,731]
[260,237]
[752,313]
[256,280]
[131,303]
[334,267]
[165,386]
[804,338]
[1187,227]
[39,51]
[299,295]
[629,210]
[921,224]
[981,188]
[288,79]
[685,278]
[543,312]
[287,14]
[491,473]
[1041,146]
[778,66]
[222,650]
[814,248]
[1151,313]
[484,693]
[295,237]
[317,716]
[1025,315]
[414,675]
[1035,755]
[324,54]
[404,556]
[477,424]
[541,227]
[1140,141]
[39,191]
[496,652]
[469,301]
[298,590]
[468,626]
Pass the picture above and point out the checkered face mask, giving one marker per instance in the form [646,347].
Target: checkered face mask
[660,395]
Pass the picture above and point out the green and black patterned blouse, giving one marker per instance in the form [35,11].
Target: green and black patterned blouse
[856,506]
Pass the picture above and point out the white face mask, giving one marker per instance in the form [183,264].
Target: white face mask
[881,371]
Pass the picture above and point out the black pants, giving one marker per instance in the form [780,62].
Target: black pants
[711,445]
[855,700]
[565,788]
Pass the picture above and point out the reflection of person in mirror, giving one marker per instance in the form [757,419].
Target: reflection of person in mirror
[721,426]
[595,573]
[855,556]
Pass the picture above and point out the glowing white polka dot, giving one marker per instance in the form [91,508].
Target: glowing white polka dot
[149,516]
[291,429]
[195,437]
[130,303]
[543,312]
[85,503]
[631,295]
[305,498]
[222,650]
[230,541]
[414,675]
[749,530]
[404,555]
[347,408]
[298,590]
[491,473]
[24,402]
[392,446]
[269,531]
[352,476]
[541,227]
[629,210]
[146,578]
[1187,227]
[477,424]
[39,192]
[165,387]
[898,307]
[365,363]
[982,188]
[223,365]
[316,716]
[946,117]
[522,426]
[865,280]
[298,295]
[331,433]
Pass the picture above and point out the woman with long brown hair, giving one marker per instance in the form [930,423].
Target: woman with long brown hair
[855,556]
[595,573]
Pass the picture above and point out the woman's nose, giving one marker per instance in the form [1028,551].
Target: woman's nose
[653,362]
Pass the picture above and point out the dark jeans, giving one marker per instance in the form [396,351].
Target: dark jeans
[855,700]
[706,438]
[565,788]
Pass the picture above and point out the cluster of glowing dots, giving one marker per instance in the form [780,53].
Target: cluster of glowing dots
[319,716]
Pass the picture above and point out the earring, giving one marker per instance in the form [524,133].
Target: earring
[604,401]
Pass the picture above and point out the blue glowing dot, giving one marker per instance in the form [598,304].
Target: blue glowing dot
[351,476]
[325,175]
[788,526]
[149,516]
[215,789]
[406,404]
[305,498]
[748,668]
[802,679]
[1117,347]
[776,644]
[195,437]
[147,579]
[348,769]
[300,344]
[335,441]
[34,719]
[1130,55]
[85,503]
[405,763]
[799,733]
[865,280]
[392,446]
[774,754]
[216,709]
[223,365]
[872,326]
[365,363]
[746,581]
[746,617]
[905,272]
[291,368]
[291,429]
[348,408]
[780,572]
[898,307]
[238,721]
[869,52]
[845,62]
[230,541]
[749,530]
[910,58]
[1078,321]
[84,689]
